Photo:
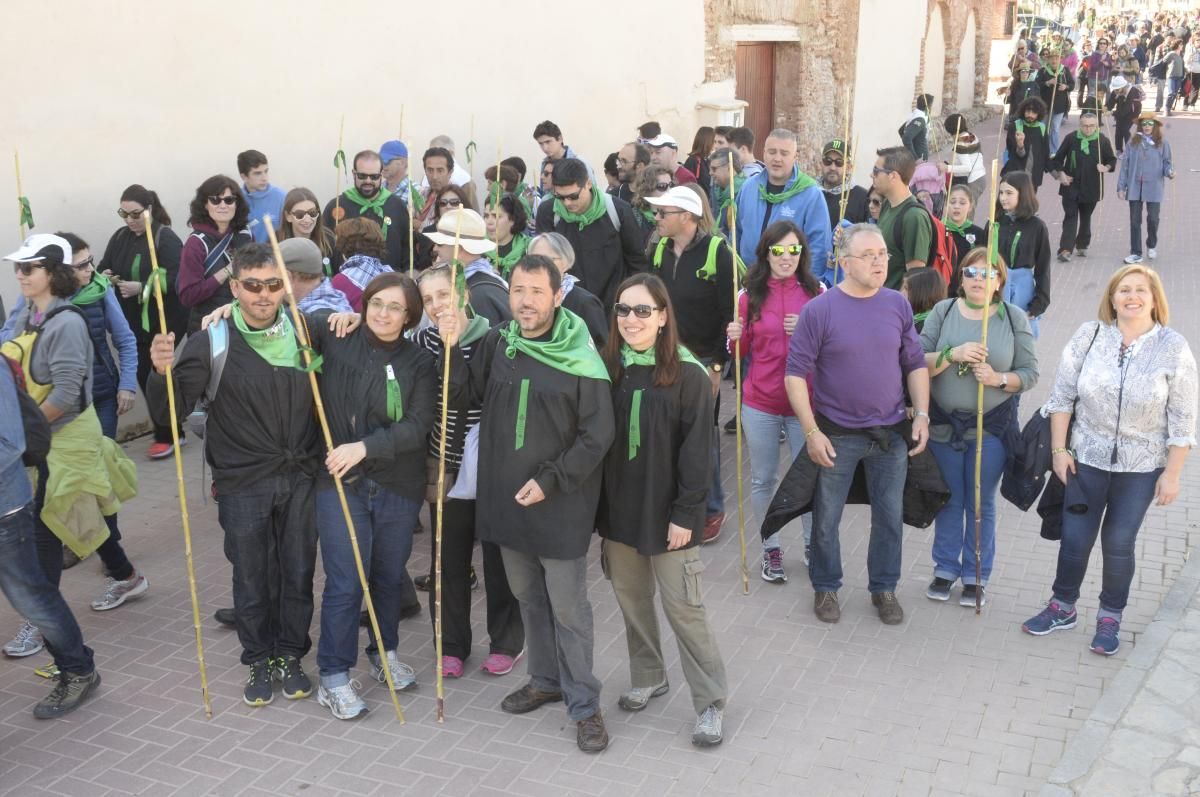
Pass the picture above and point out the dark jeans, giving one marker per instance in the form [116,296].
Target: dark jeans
[162,434]
[1122,129]
[1077,224]
[383,524]
[885,471]
[1190,101]
[506,632]
[271,541]
[1135,225]
[116,562]
[1176,84]
[35,598]
[106,411]
[1113,505]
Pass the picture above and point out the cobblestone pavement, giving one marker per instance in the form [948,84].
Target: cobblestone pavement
[946,703]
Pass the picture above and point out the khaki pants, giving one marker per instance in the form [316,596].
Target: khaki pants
[677,574]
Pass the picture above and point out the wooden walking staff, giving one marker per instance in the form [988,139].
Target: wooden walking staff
[156,275]
[993,244]
[953,151]
[844,197]
[441,488]
[306,353]
[737,393]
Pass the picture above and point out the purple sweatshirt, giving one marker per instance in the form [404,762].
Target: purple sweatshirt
[859,352]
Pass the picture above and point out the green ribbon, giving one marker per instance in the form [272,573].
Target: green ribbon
[25,214]
[519,192]
[395,403]
[1086,141]
[522,411]
[1012,250]
[520,244]
[570,348]
[800,181]
[277,344]
[593,211]
[472,147]
[635,424]
[919,318]
[372,205]
[414,196]
[144,300]
[339,160]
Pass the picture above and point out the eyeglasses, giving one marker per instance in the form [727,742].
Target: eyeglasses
[833,162]
[299,214]
[450,202]
[85,265]
[639,310]
[878,170]
[130,214]
[659,213]
[368,178]
[663,186]
[274,284]
[217,200]
[780,251]
[27,268]
[875,203]
[874,257]
[568,197]
[391,308]
[979,272]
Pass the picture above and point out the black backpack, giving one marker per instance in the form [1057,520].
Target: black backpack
[37,428]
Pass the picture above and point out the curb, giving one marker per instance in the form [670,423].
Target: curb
[1087,744]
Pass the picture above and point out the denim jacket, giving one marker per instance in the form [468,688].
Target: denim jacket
[15,490]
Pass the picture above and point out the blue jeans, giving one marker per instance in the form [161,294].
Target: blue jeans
[1019,290]
[1135,225]
[106,411]
[762,437]
[383,523]
[37,600]
[1176,83]
[1112,505]
[954,528]
[1056,121]
[886,471]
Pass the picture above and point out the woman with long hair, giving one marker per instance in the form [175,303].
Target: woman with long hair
[960,210]
[301,218]
[1024,243]
[1145,168]
[219,218]
[506,222]
[654,181]
[651,519]
[697,159]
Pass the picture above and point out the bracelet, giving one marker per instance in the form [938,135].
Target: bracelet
[944,356]
[811,432]
[1068,451]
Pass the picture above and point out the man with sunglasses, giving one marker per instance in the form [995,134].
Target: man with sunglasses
[264,450]
[833,169]
[368,198]
[602,229]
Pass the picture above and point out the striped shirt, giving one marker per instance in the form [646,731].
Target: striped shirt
[458,423]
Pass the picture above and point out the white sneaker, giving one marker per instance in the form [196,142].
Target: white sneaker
[707,732]
[403,676]
[27,642]
[343,701]
[1133,259]
[117,592]
[1153,253]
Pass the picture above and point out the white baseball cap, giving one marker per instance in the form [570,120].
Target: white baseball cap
[661,140]
[36,243]
[680,197]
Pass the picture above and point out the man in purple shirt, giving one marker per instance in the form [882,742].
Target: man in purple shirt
[858,342]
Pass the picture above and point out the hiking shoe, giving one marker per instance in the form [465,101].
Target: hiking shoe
[1063,256]
[342,701]
[287,671]
[772,567]
[226,617]
[258,685]
[403,676]
[160,450]
[638,697]
[807,554]
[939,589]
[27,642]
[527,699]
[825,606]
[1081,251]
[707,732]
[1053,618]
[967,598]
[712,528]
[1105,642]
[452,667]
[1152,253]
[70,558]
[68,694]
[890,612]
[731,425]
[591,735]
[500,663]
[117,592]
[1131,259]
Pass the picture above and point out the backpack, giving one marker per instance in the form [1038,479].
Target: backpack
[218,344]
[709,270]
[609,207]
[37,428]
[943,252]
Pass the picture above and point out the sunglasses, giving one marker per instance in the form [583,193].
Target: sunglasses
[639,310]
[368,178]
[26,268]
[875,203]
[663,186]
[452,202]
[979,272]
[569,197]
[274,284]
[217,200]
[299,214]
[659,213]
[878,170]
[780,251]
[130,214]
[832,162]
[85,265]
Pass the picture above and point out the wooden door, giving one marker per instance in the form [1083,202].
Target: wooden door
[754,66]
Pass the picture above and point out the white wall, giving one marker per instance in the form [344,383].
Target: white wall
[966,65]
[887,64]
[935,59]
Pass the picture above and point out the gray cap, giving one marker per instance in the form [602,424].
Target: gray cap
[302,256]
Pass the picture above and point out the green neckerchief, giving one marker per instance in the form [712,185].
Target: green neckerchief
[631,357]
[520,243]
[477,327]
[277,344]
[416,201]
[92,292]
[973,306]
[723,198]
[395,402]
[800,181]
[373,205]
[648,215]
[953,226]
[919,318]
[1022,124]
[570,350]
[1086,141]
[590,214]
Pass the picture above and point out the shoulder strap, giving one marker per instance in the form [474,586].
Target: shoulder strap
[610,207]
[218,344]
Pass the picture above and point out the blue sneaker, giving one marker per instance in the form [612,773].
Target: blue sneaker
[1052,618]
[1105,642]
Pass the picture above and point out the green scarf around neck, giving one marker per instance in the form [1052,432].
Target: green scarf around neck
[800,181]
[1085,142]
[92,292]
[724,198]
[570,348]
[1022,124]
[648,215]
[630,357]
[520,244]
[953,226]
[592,212]
[277,344]
[372,205]
[477,327]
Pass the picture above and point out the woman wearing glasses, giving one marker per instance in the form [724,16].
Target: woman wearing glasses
[777,287]
[1145,168]
[654,181]
[301,219]
[126,262]
[958,364]
[452,197]
[219,215]
[656,479]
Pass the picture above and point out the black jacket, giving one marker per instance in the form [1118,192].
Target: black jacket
[354,387]
[668,478]
[971,237]
[1032,158]
[1062,97]
[568,429]
[1085,178]
[703,307]
[604,256]
[395,230]
[857,211]
[489,297]
[262,421]
[585,304]
[122,249]
[1032,250]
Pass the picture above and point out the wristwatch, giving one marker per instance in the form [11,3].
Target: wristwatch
[1004,381]
[716,368]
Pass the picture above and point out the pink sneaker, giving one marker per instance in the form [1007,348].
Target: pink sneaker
[500,664]
[452,667]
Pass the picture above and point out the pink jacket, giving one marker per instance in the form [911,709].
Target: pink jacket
[767,344]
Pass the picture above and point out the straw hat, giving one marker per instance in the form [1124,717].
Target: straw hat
[470,228]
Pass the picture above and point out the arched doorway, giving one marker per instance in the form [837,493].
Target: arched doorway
[935,59]
[966,65]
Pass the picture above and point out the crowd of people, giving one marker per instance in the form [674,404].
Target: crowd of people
[578,371]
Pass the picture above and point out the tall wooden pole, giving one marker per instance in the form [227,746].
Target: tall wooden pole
[737,394]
